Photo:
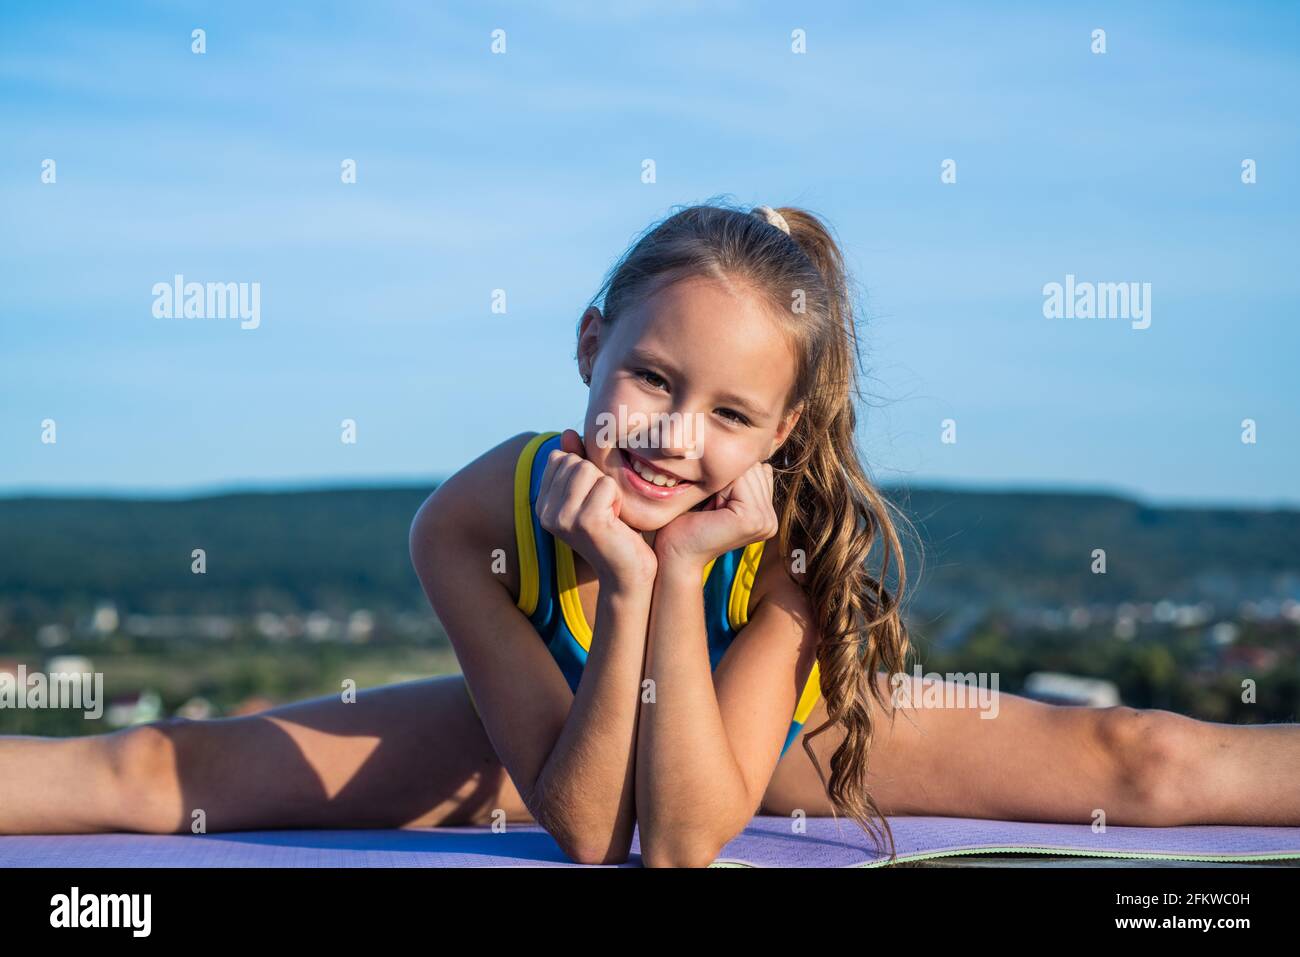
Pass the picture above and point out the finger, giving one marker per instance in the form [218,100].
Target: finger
[571,442]
[548,479]
[603,495]
[749,487]
[769,503]
[578,479]
[725,495]
[756,500]
[559,465]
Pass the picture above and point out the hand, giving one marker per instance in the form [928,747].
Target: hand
[580,505]
[738,515]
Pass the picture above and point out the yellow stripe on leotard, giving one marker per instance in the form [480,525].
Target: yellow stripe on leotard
[524,541]
[812,691]
[571,603]
[738,613]
[742,586]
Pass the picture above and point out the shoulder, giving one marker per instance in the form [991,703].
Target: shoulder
[781,619]
[777,575]
[474,508]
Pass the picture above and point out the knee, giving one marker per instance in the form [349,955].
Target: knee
[142,768]
[1147,748]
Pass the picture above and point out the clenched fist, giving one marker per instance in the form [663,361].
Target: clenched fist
[740,514]
[579,504]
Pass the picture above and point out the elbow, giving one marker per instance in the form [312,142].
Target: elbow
[682,849]
[679,854]
[581,849]
[575,837]
[673,845]
[420,534]
[590,854]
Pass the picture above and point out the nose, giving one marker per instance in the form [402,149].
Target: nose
[680,435]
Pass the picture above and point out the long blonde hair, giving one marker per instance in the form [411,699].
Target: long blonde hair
[826,503]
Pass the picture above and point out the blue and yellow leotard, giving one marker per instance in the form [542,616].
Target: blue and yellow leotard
[548,586]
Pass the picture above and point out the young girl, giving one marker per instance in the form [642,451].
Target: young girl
[649,613]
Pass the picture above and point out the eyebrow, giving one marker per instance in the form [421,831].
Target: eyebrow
[648,357]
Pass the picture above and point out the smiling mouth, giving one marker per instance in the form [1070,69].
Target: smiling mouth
[649,481]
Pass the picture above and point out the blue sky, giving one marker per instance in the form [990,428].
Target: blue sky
[522,171]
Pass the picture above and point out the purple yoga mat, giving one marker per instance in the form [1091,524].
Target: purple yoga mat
[766,842]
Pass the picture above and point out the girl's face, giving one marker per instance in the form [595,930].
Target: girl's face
[698,354]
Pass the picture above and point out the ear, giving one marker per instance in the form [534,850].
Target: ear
[787,426]
[590,329]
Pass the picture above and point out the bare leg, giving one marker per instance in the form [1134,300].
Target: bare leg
[58,785]
[1233,773]
[412,754]
[1041,762]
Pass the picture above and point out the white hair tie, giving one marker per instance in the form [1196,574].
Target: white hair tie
[771,216]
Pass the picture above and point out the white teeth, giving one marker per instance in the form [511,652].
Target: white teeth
[655,478]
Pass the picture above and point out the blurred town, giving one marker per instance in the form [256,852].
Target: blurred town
[285,617]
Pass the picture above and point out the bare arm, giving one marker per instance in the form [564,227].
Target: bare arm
[687,781]
[571,757]
[585,790]
[708,747]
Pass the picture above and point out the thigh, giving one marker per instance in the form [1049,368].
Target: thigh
[1030,762]
[403,755]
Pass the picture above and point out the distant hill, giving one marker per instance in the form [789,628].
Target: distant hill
[1022,548]
[278,551]
[347,548]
